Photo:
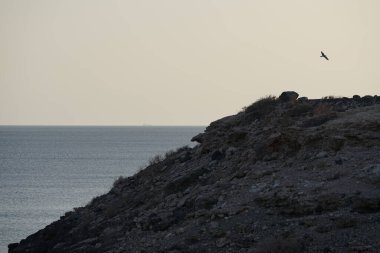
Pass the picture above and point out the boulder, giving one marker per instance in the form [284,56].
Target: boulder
[368,99]
[12,246]
[198,138]
[302,99]
[288,96]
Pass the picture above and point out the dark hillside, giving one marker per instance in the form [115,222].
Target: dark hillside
[286,174]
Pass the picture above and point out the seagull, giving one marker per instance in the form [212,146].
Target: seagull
[324,56]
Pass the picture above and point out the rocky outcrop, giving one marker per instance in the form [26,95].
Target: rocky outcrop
[288,96]
[283,175]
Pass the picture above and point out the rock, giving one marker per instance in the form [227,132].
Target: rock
[371,174]
[319,119]
[214,225]
[12,246]
[181,230]
[368,99]
[185,157]
[361,248]
[303,99]
[323,229]
[337,142]
[230,151]
[257,188]
[183,200]
[198,138]
[288,96]
[345,222]
[373,170]
[221,242]
[366,204]
[321,154]
[217,155]
[326,250]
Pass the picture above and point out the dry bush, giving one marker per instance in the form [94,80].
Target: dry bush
[173,152]
[331,97]
[261,104]
[169,153]
[155,159]
[260,108]
[118,181]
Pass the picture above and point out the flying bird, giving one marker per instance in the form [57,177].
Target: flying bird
[324,56]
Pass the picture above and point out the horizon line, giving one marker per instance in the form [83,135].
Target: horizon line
[142,125]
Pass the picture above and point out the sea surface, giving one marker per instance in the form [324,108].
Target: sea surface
[47,171]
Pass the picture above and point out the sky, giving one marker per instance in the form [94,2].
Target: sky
[178,62]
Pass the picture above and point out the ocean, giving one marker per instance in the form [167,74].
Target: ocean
[47,171]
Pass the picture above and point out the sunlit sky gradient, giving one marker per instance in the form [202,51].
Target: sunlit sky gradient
[177,62]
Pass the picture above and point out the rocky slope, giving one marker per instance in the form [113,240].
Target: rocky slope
[284,175]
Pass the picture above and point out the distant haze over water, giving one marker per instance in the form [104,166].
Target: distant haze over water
[46,171]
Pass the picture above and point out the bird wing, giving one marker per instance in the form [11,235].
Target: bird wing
[324,56]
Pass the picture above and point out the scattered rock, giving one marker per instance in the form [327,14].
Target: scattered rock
[321,154]
[339,161]
[221,242]
[371,174]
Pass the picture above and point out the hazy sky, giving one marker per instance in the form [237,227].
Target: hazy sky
[177,62]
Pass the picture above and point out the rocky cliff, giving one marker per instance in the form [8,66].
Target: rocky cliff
[283,175]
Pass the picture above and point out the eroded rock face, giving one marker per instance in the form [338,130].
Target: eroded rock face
[295,177]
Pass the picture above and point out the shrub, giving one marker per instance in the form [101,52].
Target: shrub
[261,104]
[260,108]
[118,181]
[178,150]
[155,159]
[330,97]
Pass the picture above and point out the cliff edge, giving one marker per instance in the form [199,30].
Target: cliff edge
[286,174]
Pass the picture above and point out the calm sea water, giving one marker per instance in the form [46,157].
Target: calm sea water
[46,171]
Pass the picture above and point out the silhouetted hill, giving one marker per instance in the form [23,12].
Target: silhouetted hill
[283,175]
